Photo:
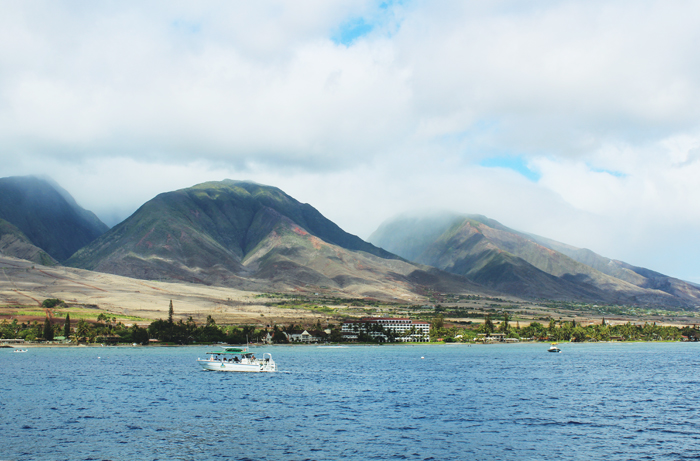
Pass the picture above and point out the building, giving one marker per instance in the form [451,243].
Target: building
[305,336]
[404,330]
[12,341]
[493,337]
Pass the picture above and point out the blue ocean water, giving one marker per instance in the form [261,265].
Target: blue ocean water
[612,401]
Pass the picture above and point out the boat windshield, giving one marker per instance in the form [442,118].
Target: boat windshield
[229,350]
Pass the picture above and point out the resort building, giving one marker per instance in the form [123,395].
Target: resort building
[404,330]
[305,336]
[493,337]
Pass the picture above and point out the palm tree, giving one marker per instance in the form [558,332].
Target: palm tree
[83,330]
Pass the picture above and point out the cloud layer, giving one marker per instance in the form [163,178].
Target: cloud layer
[576,120]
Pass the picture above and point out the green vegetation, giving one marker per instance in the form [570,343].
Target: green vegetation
[607,309]
[48,331]
[50,303]
[287,299]
[75,312]
[103,327]
[66,327]
[48,217]
[109,329]
[19,245]
[566,331]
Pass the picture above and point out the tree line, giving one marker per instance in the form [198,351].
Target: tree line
[109,329]
[569,331]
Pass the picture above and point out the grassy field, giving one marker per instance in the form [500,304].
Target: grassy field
[76,313]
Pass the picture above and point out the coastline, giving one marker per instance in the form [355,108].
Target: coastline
[123,345]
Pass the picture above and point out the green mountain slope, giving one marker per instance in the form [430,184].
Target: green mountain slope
[249,236]
[14,243]
[493,255]
[47,215]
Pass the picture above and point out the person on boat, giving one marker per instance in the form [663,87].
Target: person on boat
[235,359]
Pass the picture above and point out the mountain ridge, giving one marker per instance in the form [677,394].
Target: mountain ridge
[14,243]
[44,215]
[242,234]
[489,253]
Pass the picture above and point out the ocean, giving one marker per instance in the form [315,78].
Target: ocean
[624,401]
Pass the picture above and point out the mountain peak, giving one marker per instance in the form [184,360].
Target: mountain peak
[210,232]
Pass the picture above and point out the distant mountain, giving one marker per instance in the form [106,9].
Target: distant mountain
[14,243]
[506,260]
[47,215]
[638,276]
[249,236]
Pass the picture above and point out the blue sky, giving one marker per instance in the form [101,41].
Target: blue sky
[352,30]
[514,163]
[575,120]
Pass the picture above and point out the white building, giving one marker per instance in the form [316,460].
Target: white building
[405,330]
[304,336]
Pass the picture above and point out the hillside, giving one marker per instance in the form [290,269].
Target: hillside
[635,275]
[254,237]
[47,215]
[15,244]
[495,256]
[24,285]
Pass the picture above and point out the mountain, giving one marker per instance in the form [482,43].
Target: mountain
[250,236]
[638,276]
[14,243]
[47,215]
[491,254]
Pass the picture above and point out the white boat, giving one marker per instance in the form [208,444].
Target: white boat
[553,348]
[237,359]
[20,350]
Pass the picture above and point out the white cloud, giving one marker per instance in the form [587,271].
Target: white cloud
[123,100]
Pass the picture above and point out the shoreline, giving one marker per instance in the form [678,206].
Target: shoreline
[122,345]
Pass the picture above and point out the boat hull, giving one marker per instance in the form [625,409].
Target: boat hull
[216,365]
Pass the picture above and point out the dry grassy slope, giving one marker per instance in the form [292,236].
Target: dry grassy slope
[289,256]
[23,283]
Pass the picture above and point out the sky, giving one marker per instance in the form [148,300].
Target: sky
[575,120]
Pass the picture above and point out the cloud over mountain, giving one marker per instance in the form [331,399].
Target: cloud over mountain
[525,112]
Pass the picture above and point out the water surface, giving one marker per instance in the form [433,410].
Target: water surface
[614,401]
